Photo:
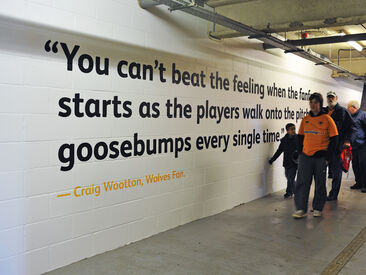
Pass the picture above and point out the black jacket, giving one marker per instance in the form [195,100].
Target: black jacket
[288,146]
[359,136]
[345,124]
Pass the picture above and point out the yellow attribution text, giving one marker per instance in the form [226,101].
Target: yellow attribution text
[108,186]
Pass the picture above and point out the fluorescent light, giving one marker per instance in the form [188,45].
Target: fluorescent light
[355,45]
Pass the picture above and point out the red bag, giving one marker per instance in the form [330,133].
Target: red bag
[346,157]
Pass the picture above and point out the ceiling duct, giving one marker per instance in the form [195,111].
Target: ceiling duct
[272,40]
[328,40]
[200,3]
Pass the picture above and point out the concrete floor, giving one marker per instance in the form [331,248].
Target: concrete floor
[357,263]
[259,237]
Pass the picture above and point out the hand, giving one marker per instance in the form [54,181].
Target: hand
[326,162]
[346,144]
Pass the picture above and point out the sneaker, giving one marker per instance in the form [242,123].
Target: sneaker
[299,214]
[317,213]
[356,186]
[287,195]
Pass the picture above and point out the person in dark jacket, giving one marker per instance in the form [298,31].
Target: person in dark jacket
[288,147]
[358,146]
[345,127]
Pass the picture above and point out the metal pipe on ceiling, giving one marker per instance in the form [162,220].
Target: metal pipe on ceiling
[220,3]
[146,4]
[328,39]
[272,40]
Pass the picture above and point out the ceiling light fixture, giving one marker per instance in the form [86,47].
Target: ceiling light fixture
[352,43]
[355,45]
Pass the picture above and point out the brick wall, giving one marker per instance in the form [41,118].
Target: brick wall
[40,231]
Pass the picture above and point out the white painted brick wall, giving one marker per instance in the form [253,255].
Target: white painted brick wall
[112,238]
[11,242]
[40,231]
[12,185]
[70,251]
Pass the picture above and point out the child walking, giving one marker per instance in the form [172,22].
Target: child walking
[288,146]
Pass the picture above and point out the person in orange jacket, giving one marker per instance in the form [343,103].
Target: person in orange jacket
[318,138]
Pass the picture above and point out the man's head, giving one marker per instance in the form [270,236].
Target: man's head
[291,129]
[332,99]
[315,102]
[353,106]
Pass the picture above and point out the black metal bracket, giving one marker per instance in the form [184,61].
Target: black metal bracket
[322,63]
[294,51]
[256,36]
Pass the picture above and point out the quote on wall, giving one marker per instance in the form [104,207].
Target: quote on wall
[80,107]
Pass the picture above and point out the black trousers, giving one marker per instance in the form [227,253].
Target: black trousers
[359,165]
[290,173]
[309,168]
[335,166]
[356,166]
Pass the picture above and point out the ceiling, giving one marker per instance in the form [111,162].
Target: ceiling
[292,18]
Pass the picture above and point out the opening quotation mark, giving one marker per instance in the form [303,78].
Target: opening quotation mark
[54,46]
